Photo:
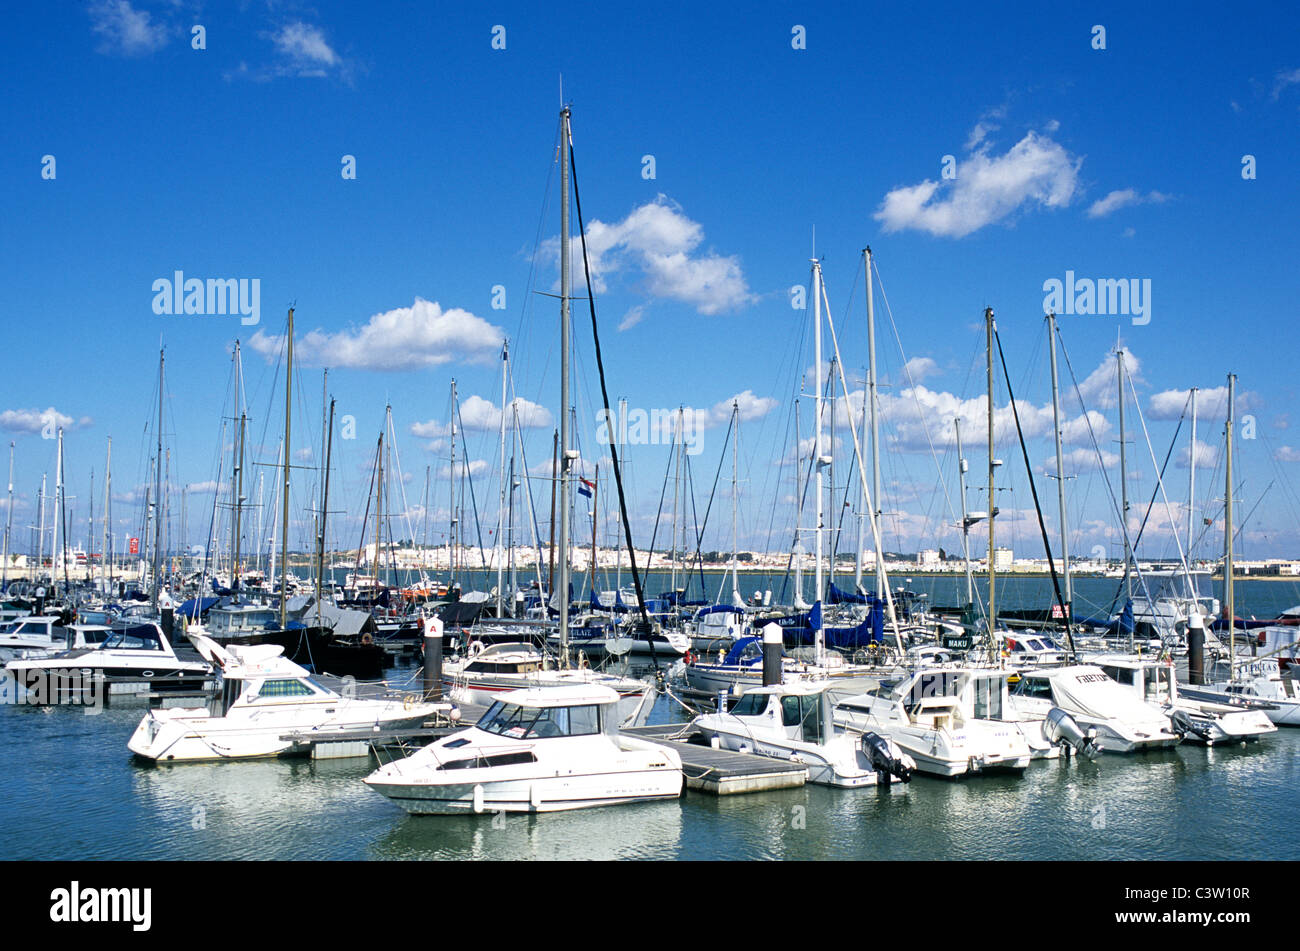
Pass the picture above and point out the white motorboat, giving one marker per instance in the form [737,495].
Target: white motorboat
[740,669]
[543,749]
[488,672]
[947,719]
[33,638]
[264,697]
[1123,723]
[794,721]
[133,651]
[1204,721]
[1256,682]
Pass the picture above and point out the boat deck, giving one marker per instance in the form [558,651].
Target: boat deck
[722,772]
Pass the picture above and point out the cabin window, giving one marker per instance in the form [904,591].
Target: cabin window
[284,688]
[988,700]
[1034,687]
[750,705]
[496,759]
[804,712]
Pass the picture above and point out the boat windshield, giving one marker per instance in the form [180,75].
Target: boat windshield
[531,723]
[132,639]
[750,705]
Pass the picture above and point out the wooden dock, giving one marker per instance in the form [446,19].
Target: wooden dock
[723,772]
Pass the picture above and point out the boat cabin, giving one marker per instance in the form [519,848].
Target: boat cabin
[550,712]
[801,711]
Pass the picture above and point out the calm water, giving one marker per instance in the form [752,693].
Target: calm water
[70,780]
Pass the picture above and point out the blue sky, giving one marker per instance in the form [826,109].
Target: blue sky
[225,162]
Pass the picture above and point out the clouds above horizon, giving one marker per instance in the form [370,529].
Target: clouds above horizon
[659,245]
[1121,199]
[405,338]
[126,31]
[1036,172]
[36,420]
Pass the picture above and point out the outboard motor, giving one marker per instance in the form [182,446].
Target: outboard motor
[1062,729]
[1183,723]
[887,759]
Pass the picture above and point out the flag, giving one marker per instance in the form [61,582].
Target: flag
[585,487]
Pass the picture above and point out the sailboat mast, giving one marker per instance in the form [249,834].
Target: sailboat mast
[1060,466]
[379,503]
[993,614]
[58,512]
[735,502]
[817,453]
[871,412]
[106,565]
[565,290]
[40,529]
[1123,476]
[1191,481]
[965,518]
[284,452]
[9,519]
[452,541]
[1229,605]
[324,509]
[157,493]
[501,507]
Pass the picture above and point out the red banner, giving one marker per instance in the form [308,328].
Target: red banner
[135,546]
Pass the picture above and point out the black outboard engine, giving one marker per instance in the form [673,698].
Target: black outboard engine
[1063,730]
[1183,723]
[887,759]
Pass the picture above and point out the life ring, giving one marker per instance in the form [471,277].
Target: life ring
[367,640]
[475,648]
[408,701]
[689,658]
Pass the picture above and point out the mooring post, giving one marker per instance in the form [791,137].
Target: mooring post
[432,657]
[771,655]
[1196,648]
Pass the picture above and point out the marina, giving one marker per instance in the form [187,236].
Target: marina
[599,437]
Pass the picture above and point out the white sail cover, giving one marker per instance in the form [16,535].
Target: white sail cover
[1087,690]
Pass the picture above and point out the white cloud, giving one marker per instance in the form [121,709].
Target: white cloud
[1122,198]
[406,338]
[1035,171]
[632,318]
[476,468]
[1206,456]
[125,30]
[1285,77]
[305,45]
[36,420]
[658,242]
[482,415]
[1287,454]
[203,488]
[303,455]
[918,368]
[1211,403]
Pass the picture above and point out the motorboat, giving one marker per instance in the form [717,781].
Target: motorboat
[1204,721]
[133,650]
[947,719]
[740,669]
[1119,721]
[543,749]
[1255,682]
[794,722]
[264,698]
[487,672]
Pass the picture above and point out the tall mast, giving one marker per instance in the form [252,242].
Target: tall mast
[1227,530]
[239,503]
[966,520]
[455,522]
[1123,476]
[993,614]
[1191,482]
[832,531]
[735,483]
[871,411]
[9,519]
[157,494]
[40,530]
[817,454]
[677,485]
[324,509]
[501,507]
[379,501]
[326,427]
[58,512]
[284,502]
[106,564]
[565,281]
[1060,467]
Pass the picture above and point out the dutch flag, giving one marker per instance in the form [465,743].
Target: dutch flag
[585,487]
